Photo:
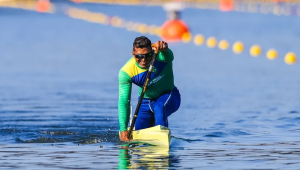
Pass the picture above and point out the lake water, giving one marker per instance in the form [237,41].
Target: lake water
[59,92]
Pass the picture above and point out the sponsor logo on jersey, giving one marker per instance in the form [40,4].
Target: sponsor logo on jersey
[156,79]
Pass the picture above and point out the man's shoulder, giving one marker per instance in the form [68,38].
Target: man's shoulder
[128,65]
[124,73]
[132,69]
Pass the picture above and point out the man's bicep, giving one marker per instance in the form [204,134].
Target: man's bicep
[125,93]
[125,84]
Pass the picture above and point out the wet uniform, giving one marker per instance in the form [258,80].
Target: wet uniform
[161,98]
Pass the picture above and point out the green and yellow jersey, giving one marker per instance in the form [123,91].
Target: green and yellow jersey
[161,80]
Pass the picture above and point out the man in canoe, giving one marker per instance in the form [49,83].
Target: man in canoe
[161,97]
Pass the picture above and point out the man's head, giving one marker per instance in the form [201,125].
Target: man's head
[142,51]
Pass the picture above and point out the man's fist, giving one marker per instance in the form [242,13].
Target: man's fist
[160,45]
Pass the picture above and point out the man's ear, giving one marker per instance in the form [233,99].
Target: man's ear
[133,55]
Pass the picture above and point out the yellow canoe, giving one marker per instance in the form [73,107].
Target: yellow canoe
[157,135]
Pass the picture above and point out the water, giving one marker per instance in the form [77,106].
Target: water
[59,92]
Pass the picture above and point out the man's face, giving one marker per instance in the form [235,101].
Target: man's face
[144,62]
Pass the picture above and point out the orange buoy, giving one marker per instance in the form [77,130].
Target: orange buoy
[226,5]
[43,5]
[77,1]
[279,1]
[173,30]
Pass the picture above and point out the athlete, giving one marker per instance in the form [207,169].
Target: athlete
[161,98]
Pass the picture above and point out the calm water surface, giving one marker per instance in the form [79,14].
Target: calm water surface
[59,93]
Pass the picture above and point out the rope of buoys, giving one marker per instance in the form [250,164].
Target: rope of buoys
[101,18]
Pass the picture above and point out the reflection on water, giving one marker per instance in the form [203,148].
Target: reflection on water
[144,157]
[283,155]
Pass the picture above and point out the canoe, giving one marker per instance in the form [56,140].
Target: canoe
[157,135]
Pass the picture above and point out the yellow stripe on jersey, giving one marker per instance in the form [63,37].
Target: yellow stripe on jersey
[132,69]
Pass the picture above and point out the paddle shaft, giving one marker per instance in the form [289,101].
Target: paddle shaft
[142,94]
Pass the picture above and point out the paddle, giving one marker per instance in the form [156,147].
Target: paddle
[143,93]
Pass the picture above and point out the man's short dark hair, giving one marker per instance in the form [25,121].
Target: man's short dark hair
[141,42]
